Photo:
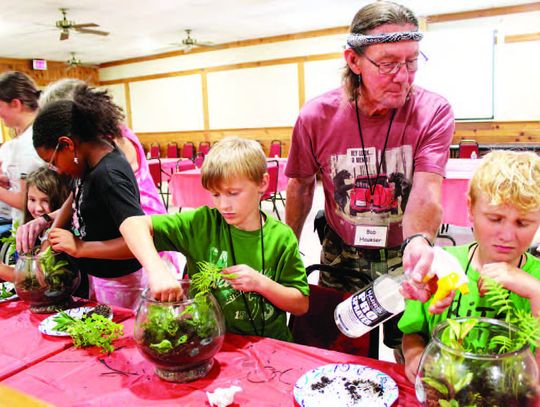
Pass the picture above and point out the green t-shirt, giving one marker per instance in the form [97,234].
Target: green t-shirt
[202,235]
[417,319]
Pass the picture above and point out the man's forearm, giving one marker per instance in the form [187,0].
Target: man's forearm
[13,199]
[299,200]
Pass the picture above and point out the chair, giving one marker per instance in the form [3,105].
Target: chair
[468,149]
[199,159]
[172,150]
[155,171]
[154,150]
[184,165]
[317,327]
[188,150]
[275,149]
[272,194]
[204,147]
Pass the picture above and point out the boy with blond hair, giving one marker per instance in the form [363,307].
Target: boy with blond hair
[263,273]
[504,208]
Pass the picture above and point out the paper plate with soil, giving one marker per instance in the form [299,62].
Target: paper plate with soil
[345,385]
[50,325]
[7,291]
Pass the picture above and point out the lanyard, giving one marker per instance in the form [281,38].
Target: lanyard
[378,173]
[455,311]
[261,299]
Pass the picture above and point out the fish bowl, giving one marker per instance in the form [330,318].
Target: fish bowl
[180,338]
[46,281]
[475,369]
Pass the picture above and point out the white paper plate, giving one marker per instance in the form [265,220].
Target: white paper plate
[345,385]
[9,287]
[47,325]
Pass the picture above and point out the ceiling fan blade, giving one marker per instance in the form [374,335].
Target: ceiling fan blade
[64,35]
[86,31]
[76,26]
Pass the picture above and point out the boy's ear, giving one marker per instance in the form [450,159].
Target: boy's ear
[264,184]
[470,210]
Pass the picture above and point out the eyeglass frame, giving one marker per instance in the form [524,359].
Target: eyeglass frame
[397,65]
[51,165]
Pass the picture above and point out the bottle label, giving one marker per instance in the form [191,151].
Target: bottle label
[367,309]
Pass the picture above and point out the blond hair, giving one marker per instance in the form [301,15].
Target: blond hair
[508,178]
[233,157]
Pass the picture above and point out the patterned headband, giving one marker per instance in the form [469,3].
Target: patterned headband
[361,40]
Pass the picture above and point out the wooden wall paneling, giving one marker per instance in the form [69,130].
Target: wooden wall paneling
[498,132]
[55,71]
[301,85]
[206,112]
[127,92]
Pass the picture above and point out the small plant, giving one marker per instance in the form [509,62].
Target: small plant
[7,290]
[93,329]
[11,240]
[455,379]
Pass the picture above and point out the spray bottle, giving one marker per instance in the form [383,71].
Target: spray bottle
[381,300]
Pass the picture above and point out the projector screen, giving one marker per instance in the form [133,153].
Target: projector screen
[460,68]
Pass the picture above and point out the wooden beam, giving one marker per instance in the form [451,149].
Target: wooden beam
[301,85]
[522,37]
[129,116]
[206,111]
[488,12]
[235,44]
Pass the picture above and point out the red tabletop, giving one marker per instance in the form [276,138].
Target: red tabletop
[22,345]
[454,191]
[265,369]
[187,191]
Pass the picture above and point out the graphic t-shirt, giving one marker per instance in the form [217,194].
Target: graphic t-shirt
[417,319]
[363,187]
[203,235]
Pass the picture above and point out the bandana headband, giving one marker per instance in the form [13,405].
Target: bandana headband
[361,40]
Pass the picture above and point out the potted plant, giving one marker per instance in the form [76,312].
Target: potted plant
[481,361]
[181,338]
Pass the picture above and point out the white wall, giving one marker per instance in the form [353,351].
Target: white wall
[268,96]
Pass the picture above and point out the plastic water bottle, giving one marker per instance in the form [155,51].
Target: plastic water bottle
[474,156]
[370,306]
[381,300]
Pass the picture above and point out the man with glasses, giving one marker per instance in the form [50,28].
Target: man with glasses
[381,146]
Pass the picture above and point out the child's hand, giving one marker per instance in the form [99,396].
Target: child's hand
[28,233]
[243,278]
[164,286]
[510,277]
[62,240]
[439,306]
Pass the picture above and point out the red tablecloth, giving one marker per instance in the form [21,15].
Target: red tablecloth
[454,191]
[265,369]
[22,345]
[187,191]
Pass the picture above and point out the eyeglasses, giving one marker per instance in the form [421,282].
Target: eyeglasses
[51,165]
[392,68]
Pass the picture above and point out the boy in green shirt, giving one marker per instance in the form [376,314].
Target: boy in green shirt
[504,208]
[263,273]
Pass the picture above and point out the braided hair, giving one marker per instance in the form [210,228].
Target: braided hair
[90,116]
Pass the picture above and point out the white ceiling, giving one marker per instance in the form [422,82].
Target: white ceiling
[142,27]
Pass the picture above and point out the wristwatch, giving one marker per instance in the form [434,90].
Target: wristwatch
[47,217]
[411,237]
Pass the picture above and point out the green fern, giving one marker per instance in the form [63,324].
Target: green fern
[207,277]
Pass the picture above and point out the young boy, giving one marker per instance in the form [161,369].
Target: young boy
[264,274]
[504,208]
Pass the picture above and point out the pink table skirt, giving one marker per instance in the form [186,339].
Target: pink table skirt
[265,369]
[187,191]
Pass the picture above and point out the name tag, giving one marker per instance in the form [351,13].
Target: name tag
[370,236]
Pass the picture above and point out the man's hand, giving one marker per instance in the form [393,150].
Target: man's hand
[28,233]
[417,259]
[164,286]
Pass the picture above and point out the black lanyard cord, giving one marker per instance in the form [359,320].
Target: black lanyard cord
[261,298]
[378,173]
[474,246]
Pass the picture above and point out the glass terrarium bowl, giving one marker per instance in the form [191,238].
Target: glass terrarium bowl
[45,281]
[480,378]
[180,338]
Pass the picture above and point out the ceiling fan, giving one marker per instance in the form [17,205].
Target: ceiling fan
[188,43]
[74,62]
[65,25]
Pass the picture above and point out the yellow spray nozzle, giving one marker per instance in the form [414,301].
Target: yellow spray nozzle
[448,283]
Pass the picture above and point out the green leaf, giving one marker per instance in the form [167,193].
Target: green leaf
[455,327]
[440,387]
[95,331]
[163,347]
[460,384]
